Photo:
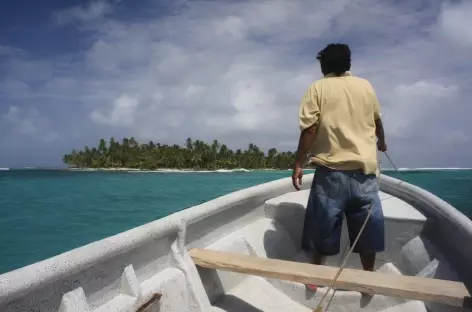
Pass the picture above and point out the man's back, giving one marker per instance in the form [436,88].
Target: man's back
[347,109]
[339,121]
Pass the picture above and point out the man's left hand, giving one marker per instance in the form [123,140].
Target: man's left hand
[382,146]
[297,176]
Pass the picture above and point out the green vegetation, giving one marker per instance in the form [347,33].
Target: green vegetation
[194,155]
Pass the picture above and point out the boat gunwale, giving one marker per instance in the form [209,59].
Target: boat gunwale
[428,204]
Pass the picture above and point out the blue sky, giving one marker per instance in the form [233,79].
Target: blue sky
[72,72]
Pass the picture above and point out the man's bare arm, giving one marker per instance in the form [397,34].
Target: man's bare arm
[379,132]
[307,137]
[308,118]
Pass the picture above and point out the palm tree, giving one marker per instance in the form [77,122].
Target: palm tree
[189,144]
[195,154]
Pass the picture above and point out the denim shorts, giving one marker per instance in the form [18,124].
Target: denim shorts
[335,193]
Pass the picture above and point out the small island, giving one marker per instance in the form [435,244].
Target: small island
[194,155]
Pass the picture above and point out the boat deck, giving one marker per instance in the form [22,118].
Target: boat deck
[277,236]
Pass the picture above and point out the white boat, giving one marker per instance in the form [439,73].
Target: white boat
[152,268]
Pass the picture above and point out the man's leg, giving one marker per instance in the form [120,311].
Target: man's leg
[314,257]
[368,264]
[364,196]
[318,259]
[367,260]
[323,218]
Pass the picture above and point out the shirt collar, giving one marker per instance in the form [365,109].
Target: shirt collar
[345,74]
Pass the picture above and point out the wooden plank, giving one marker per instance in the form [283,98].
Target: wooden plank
[408,287]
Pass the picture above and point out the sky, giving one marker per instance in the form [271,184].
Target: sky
[72,72]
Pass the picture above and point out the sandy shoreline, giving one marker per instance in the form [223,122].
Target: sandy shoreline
[170,170]
[162,170]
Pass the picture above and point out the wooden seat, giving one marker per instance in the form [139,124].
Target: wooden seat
[408,287]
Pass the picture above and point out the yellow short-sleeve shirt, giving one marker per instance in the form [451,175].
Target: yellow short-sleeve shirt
[344,109]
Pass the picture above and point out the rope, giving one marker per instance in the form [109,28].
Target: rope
[319,307]
[402,178]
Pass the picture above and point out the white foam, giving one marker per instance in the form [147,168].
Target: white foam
[195,171]
[4,169]
[163,170]
[430,169]
[232,170]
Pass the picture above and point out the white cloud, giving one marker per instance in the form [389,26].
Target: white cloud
[29,123]
[413,103]
[92,11]
[455,22]
[26,124]
[65,84]
[231,26]
[13,86]
[12,113]
[10,51]
[236,71]
[121,114]
[425,89]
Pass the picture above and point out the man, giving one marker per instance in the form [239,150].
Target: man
[339,119]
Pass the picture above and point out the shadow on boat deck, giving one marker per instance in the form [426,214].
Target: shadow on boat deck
[235,304]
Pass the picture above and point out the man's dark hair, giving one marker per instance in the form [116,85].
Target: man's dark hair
[335,59]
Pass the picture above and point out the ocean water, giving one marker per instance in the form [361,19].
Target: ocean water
[44,213]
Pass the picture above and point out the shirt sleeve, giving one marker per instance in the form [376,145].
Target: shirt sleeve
[309,112]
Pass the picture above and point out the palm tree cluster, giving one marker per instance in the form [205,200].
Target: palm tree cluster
[194,155]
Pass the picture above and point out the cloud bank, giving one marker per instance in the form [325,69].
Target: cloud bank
[235,71]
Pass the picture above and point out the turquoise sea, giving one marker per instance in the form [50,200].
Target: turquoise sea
[46,212]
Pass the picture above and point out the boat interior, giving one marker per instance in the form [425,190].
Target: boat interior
[278,235]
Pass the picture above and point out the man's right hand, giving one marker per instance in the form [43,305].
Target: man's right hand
[382,146]
[297,176]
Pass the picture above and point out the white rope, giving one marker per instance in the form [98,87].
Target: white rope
[319,307]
